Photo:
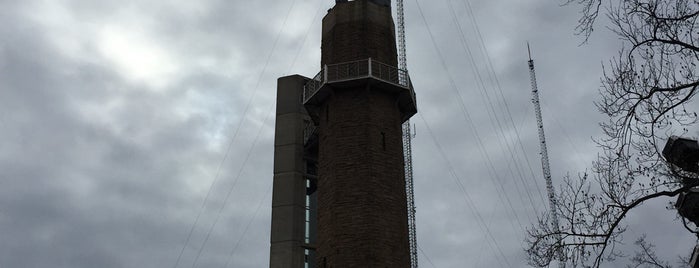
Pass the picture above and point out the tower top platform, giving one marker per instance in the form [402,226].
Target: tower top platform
[358,49]
[367,71]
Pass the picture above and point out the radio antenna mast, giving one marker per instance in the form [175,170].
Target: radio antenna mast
[545,160]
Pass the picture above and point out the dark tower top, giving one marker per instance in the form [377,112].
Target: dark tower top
[358,30]
[380,2]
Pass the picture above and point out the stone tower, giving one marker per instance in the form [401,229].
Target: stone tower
[352,142]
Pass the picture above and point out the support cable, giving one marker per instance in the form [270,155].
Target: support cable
[467,197]
[512,152]
[473,128]
[269,113]
[426,257]
[469,121]
[493,117]
[247,226]
[230,190]
[230,143]
[494,78]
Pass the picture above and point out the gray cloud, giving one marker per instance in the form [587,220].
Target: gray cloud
[115,116]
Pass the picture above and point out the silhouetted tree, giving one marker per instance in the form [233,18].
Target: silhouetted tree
[645,94]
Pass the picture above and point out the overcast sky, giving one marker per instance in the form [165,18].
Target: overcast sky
[116,119]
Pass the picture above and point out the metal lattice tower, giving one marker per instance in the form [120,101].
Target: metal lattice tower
[408,158]
[402,63]
[545,159]
[407,146]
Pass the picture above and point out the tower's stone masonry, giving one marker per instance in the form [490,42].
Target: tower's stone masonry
[358,30]
[361,190]
[362,214]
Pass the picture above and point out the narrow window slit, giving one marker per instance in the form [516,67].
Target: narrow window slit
[383,140]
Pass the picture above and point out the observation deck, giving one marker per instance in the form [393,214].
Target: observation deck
[348,75]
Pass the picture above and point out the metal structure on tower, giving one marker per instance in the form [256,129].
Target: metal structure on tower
[545,159]
[407,143]
[340,197]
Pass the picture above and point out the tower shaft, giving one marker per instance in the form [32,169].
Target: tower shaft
[364,99]
[361,190]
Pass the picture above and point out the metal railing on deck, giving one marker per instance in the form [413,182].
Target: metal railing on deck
[345,71]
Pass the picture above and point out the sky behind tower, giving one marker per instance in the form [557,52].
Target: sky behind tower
[117,117]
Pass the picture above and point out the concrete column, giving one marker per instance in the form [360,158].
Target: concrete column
[289,194]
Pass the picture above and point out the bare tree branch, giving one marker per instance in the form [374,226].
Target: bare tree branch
[646,93]
[646,257]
